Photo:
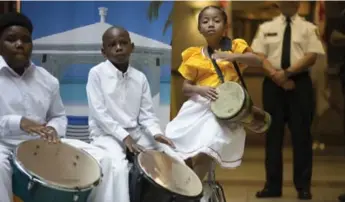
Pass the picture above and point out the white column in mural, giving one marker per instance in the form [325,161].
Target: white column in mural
[103,11]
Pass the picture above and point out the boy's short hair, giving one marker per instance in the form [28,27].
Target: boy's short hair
[15,18]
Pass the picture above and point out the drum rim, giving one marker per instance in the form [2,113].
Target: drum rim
[36,178]
[137,165]
[241,108]
[239,112]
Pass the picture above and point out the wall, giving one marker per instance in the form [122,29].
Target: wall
[185,34]
[61,17]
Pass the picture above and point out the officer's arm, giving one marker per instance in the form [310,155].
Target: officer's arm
[337,38]
[313,48]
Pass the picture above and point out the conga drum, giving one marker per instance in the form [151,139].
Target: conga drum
[234,105]
[157,177]
[44,172]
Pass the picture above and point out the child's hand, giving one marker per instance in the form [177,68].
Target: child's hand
[208,92]
[230,57]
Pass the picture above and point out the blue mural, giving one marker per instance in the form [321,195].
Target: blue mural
[51,18]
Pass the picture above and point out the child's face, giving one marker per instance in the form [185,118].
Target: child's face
[211,23]
[16,46]
[117,46]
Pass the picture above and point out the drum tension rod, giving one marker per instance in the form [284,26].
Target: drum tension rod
[76,196]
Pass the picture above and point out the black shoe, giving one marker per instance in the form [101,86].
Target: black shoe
[342,198]
[304,195]
[268,193]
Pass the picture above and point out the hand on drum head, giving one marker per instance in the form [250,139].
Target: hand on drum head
[33,127]
[208,92]
[164,140]
[132,146]
[51,135]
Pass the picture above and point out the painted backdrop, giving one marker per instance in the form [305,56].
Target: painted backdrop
[67,42]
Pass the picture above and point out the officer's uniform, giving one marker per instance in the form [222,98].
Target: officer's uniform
[295,107]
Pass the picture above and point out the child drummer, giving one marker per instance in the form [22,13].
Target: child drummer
[195,131]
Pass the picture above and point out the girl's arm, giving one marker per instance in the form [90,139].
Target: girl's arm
[189,89]
[251,59]
[247,58]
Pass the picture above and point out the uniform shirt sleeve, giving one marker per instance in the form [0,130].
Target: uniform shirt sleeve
[314,44]
[258,44]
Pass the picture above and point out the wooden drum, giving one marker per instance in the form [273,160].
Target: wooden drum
[234,105]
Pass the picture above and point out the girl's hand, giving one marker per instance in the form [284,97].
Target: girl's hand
[230,57]
[208,92]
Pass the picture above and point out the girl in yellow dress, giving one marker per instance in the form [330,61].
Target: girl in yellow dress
[195,131]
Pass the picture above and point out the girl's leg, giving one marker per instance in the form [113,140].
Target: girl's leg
[202,163]
[189,162]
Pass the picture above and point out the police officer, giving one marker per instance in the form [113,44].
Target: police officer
[290,45]
[337,39]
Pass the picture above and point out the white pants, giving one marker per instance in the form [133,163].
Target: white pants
[117,150]
[102,193]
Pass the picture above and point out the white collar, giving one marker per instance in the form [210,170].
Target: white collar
[118,72]
[3,65]
[293,18]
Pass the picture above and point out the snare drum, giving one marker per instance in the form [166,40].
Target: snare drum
[45,172]
[157,177]
[234,105]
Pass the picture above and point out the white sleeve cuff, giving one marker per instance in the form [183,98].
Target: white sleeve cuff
[121,133]
[155,130]
[61,132]
[14,123]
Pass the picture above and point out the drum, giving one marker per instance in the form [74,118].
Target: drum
[157,177]
[234,105]
[53,172]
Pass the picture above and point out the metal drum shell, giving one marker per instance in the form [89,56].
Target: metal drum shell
[173,194]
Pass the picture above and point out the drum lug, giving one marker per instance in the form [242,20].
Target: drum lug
[75,197]
[30,185]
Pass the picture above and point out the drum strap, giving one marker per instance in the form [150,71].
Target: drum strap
[226,47]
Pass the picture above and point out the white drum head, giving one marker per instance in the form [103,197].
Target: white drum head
[59,165]
[170,173]
[231,98]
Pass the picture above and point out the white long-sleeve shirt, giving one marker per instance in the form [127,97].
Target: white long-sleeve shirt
[34,95]
[270,36]
[119,101]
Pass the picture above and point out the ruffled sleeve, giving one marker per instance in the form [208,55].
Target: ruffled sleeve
[188,71]
[240,46]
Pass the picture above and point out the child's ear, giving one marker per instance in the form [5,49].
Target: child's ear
[103,52]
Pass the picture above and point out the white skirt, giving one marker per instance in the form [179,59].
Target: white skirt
[196,130]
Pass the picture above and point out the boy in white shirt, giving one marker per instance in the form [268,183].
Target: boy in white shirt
[120,106]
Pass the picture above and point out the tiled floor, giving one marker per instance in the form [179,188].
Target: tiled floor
[241,184]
